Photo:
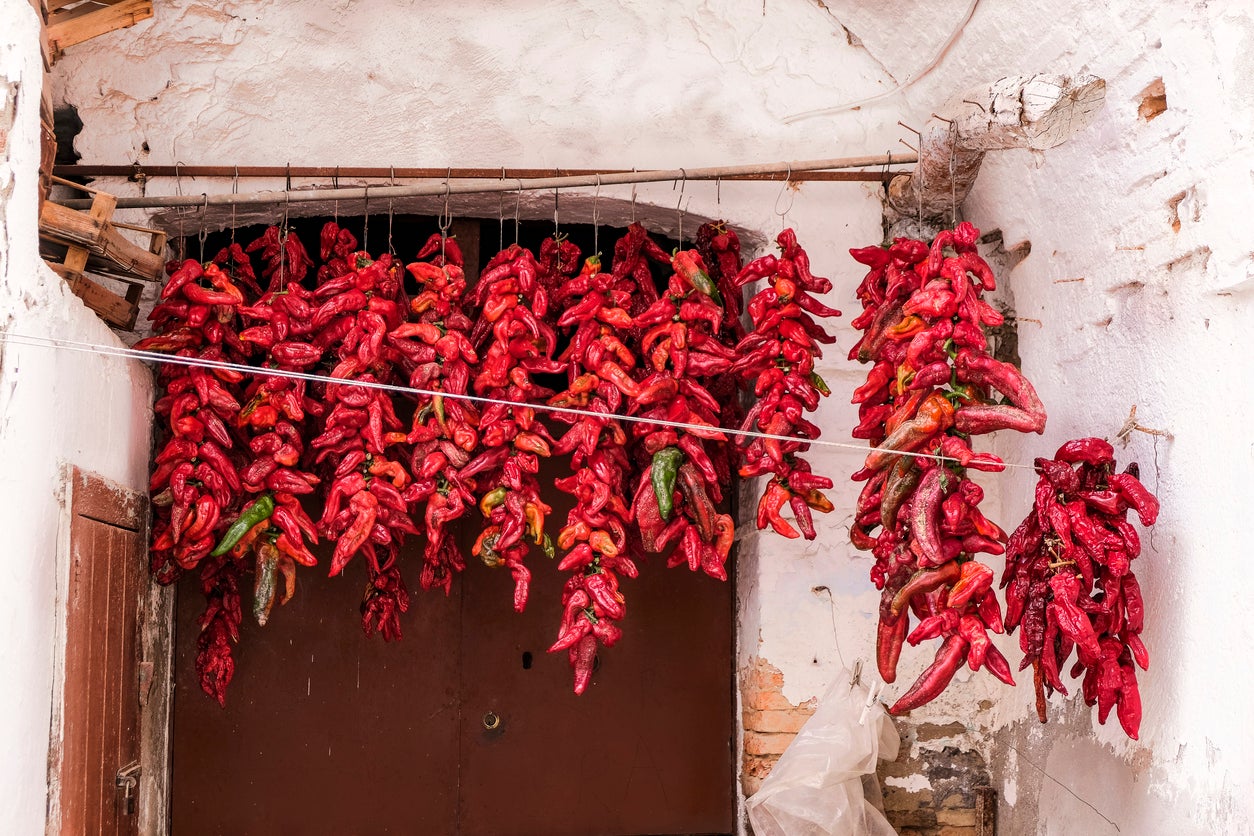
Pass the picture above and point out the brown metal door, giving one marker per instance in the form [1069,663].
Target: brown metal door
[326,731]
[100,704]
[646,749]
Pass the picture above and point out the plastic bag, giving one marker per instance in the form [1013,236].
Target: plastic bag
[816,787]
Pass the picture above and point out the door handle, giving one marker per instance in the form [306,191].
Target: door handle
[491,721]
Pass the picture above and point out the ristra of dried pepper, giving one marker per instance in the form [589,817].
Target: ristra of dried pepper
[514,342]
[928,389]
[777,358]
[360,443]
[195,484]
[678,330]
[594,539]
[1069,583]
[437,356]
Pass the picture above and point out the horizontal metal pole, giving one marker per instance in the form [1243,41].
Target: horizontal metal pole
[468,181]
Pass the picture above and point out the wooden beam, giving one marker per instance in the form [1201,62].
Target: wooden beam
[89,20]
[101,238]
[102,206]
[1038,112]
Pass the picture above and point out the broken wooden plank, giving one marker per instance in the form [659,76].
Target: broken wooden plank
[100,237]
[110,307]
[102,206]
[47,158]
[67,27]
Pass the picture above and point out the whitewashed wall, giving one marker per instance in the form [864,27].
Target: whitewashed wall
[1157,322]
[55,409]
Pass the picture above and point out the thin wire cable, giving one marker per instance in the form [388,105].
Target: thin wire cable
[932,63]
[242,368]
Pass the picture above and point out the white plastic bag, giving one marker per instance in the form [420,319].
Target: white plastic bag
[816,787]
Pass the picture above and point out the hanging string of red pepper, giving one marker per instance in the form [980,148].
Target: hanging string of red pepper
[931,387]
[1069,582]
[777,358]
[437,356]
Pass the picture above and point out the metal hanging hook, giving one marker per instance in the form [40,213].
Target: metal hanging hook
[953,189]
[204,224]
[557,230]
[596,219]
[791,198]
[500,214]
[445,220]
[683,184]
[517,208]
[178,188]
[918,166]
[633,199]
[335,206]
[391,203]
[234,191]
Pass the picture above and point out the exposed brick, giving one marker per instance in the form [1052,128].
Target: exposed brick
[914,818]
[950,830]
[961,817]
[899,798]
[766,701]
[787,722]
[757,743]
[932,731]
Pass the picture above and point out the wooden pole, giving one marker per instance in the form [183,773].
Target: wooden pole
[1038,112]
[448,183]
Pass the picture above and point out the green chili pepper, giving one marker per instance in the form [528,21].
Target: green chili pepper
[547,546]
[686,265]
[260,509]
[665,468]
[819,383]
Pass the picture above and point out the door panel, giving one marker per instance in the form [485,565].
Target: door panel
[100,732]
[324,730]
[646,749]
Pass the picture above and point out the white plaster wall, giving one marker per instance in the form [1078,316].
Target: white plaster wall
[54,408]
[1158,321]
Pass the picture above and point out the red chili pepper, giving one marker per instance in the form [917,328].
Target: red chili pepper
[934,680]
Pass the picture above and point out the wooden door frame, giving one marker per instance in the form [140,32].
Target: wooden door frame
[84,493]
